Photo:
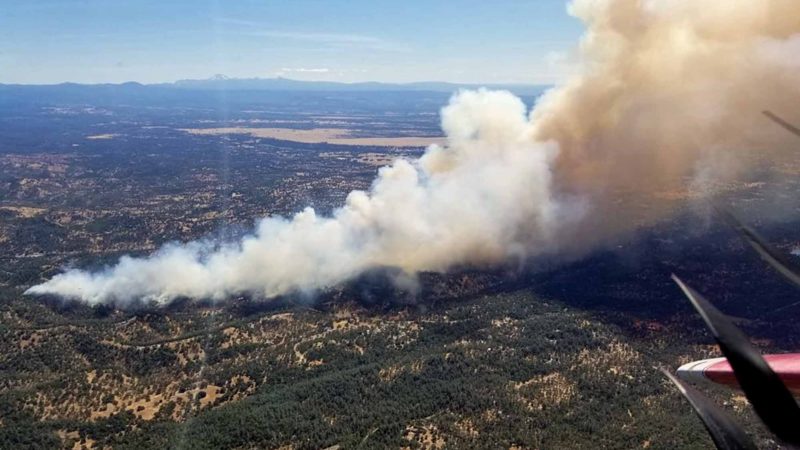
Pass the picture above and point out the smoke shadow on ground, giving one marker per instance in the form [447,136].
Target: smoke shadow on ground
[631,283]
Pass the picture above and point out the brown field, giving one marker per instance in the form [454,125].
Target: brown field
[23,211]
[320,135]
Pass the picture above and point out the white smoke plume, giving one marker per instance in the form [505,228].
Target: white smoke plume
[456,204]
[666,91]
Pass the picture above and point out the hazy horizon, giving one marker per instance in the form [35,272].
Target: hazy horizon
[155,42]
[216,77]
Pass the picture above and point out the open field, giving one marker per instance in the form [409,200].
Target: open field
[334,136]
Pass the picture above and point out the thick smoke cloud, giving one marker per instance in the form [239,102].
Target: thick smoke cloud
[668,104]
[668,99]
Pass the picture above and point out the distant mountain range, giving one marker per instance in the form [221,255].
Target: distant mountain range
[220,82]
[286,84]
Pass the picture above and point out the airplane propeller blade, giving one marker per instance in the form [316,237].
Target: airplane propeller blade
[770,398]
[725,432]
[791,128]
[765,250]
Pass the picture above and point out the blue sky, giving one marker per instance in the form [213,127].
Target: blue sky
[481,41]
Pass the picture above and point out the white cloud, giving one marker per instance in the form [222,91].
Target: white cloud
[305,70]
[254,29]
[332,40]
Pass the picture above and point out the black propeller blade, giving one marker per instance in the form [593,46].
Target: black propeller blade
[770,398]
[765,250]
[725,432]
[791,128]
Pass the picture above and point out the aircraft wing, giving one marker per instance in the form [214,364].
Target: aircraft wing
[718,371]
